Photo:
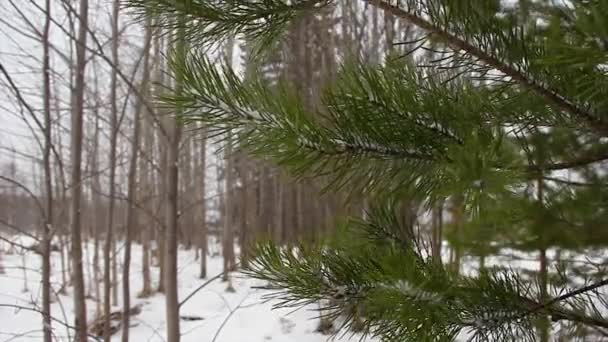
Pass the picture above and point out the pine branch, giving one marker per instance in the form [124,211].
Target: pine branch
[571,294]
[581,161]
[595,122]
[206,22]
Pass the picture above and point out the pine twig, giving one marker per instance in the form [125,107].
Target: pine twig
[559,314]
[457,43]
[20,307]
[202,286]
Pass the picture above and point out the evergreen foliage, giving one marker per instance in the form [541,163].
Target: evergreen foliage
[520,96]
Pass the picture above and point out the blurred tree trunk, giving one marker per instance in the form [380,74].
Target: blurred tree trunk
[171,193]
[246,209]
[146,189]
[437,232]
[108,248]
[458,222]
[229,198]
[163,146]
[132,218]
[544,325]
[227,232]
[201,172]
[96,197]
[77,99]
[48,185]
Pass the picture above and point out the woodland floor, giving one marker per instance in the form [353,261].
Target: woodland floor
[253,319]
[242,316]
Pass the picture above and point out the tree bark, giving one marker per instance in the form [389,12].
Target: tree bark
[109,242]
[132,189]
[227,232]
[146,190]
[80,312]
[202,169]
[48,217]
[163,146]
[246,209]
[437,232]
[544,324]
[171,192]
[98,216]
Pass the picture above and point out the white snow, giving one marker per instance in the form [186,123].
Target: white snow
[254,320]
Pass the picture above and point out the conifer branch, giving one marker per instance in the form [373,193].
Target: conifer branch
[561,313]
[596,123]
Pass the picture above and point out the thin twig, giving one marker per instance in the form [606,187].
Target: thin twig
[217,333]
[202,286]
[457,43]
[20,307]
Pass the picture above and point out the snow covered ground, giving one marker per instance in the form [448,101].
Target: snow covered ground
[242,316]
[252,319]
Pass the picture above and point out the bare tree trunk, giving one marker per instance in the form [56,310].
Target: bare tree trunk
[108,248]
[246,222]
[227,232]
[80,312]
[202,169]
[278,213]
[145,191]
[46,229]
[437,232]
[114,278]
[147,188]
[543,325]
[171,192]
[132,190]
[171,236]
[163,146]
[389,31]
[97,217]
[458,221]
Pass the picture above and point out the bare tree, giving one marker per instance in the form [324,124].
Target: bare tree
[107,253]
[227,231]
[171,193]
[229,202]
[132,190]
[202,167]
[98,216]
[48,216]
[80,321]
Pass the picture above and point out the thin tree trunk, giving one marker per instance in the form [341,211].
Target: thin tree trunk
[278,219]
[544,324]
[146,190]
[171,237]
[437,233]
[46,229]
[202,169]
[163,146]
[108,248]
[97,217]
[458,217]
[80,312]
[227,236]
[132,190]
[114,278]
[171,192]
[245,211]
